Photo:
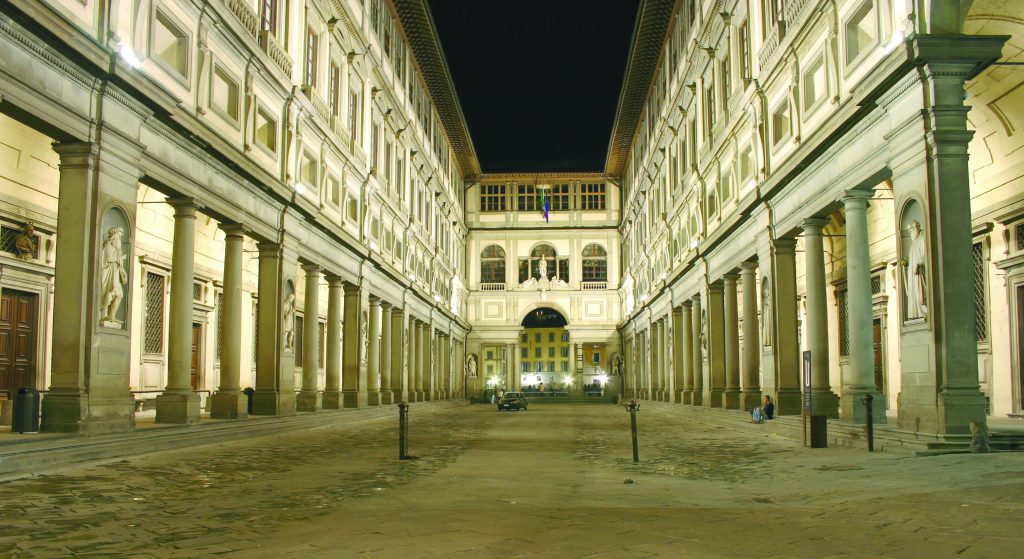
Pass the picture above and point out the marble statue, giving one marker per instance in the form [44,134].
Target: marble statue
[288,320]
[471,366]
[915,274]
[543,268]
[25,242]
[766,313]
[704,333]
[365,353]
[114,276]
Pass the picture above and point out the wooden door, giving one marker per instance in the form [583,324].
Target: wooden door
[197,341]
[18,311]
[876,334]
[1020,345]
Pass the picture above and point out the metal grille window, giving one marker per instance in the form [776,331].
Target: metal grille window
[980,303]
[592,196]
[298,341]
[1020,237]
[876,285]
[8,241]
[321,335]
[197,292]
[492,265]
[220,323]
[255,332]
[492,197]
[844,322]
[154,327]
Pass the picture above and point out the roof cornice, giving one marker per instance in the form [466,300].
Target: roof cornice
[652,23]
[418,24]
[540,176]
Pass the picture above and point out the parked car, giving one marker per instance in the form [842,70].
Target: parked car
[512,401]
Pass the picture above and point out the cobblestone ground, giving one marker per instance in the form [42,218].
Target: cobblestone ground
[554,481]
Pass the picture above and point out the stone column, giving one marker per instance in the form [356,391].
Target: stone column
[509,367]
[447,356]
[373,357]
[309,397]
[750,389]
[427,349]
[178,403]
[275,360]
[229,402]
[664,374]
[332,369]
[517,367]
[860,379]
[385,354]
[413,373]
[732,345]
[654,340]
[787,344]
[399,383]
[687,356]
[697,353]
[353,375]
[823,400]
[678,369]
[715,337]
[89,388]
[417,333]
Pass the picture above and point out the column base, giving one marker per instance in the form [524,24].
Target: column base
[678,397]
[352,399]
[385,398]
[75,412]
[426,396]
[180,408]
[372,398]
[825,402]
[731,399]
[332,400]
[309,400]
[750,399]
[272,402]
[716,398]
[397,396]
[950,414]
[229,405]
[790,401]
[696,398]
[854,411]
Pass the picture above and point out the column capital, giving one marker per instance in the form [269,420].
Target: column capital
[311,268]
[730,279]
[232,229]
[814,225]
[716,287]
[784,245]
[857,199]
[269,249]
[385,305]
[374,300]
[76,154]
[748,267]
[184,206]
[333,280]
[695,299]
[397,311]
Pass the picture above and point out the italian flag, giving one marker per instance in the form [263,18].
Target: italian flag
[546,204]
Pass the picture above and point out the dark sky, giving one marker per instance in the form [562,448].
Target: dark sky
[539,80]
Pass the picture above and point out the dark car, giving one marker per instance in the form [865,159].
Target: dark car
[512,401]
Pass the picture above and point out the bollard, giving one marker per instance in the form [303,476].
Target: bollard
[869,426]
[634,407]
[403,431]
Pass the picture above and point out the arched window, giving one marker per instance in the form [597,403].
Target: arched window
[555,267]
[595,263]
[492,265]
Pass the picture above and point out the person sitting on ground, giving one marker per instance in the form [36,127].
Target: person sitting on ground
[766,411]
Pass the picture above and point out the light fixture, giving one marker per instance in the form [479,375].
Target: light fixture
[568,380]
[374,245]
[299,188]
[894,41]
[128,55]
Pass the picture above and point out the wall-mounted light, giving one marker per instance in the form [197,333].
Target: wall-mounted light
[128,55]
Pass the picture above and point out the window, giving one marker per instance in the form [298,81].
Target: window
[861,30]
[726,79]
[492,197]
[814,83]
[551,352]
[709,110]
[565,366]
[725,188]
[268,16]
[530,267]
[565,337]
[525,353]
[154,338]
[492,265]
[308,170]
[746,163]
[298,330]
[219,303]
[224,94]
[354,110]
[170,44]
[769,16]
[352,209]
[559,195]
[334,90]
[595,263]
[309,71]
[746,64]
[980,300]
[780,123]
[551,338]
[334,191]
[844,322]
[537,352]
[565,351]
[711,202]
[266,130]
[374,146]
[592,196]
[320,344]
[526,198]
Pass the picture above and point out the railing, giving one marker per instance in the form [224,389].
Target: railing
[276,52]
[492,287]
[318,104]
[246,16]
[593,285]
[771,44]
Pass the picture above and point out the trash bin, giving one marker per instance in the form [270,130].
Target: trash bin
[25,418]
[248,397]
[819,431]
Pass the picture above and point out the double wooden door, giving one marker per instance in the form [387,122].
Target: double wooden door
[18,310]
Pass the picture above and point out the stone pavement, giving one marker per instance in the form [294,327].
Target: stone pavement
[554,481]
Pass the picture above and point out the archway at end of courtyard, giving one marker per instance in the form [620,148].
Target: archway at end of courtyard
[550,364]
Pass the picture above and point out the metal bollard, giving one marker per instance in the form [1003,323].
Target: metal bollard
[869,425]
[634,407]
[403,431]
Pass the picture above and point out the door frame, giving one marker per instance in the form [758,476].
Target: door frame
[37,279]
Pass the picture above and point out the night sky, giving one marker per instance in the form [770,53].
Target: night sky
[538,80]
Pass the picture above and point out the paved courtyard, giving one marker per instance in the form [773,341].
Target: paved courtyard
[554,481]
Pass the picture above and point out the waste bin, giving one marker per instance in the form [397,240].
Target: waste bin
[25,418]
[248,397]
[819,431]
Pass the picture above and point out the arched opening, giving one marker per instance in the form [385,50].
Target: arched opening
[544,258]
[492,266]
[545,354]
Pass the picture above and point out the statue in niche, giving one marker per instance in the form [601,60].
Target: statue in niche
[114,277]
[704,333]
[364,337]
[25,242]
[915,274]
[766,313]
[471,366]
[543,266]
[288,321]
[617,365]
